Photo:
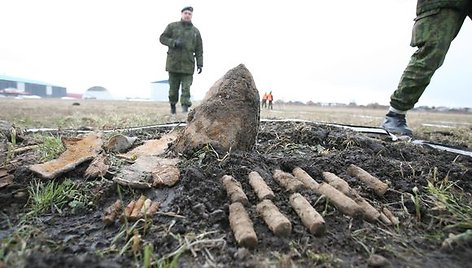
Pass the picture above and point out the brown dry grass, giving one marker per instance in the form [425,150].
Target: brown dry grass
[54,113]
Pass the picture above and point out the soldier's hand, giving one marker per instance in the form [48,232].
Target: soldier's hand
[199,69]
[178,43]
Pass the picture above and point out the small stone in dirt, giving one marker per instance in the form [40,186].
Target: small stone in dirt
[217,215]
[286,261]
[242,254]
[378,261]
[199,208]
[20,194]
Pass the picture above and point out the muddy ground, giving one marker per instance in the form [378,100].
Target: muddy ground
[192,227]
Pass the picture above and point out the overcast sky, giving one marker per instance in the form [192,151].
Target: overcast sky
[327,51]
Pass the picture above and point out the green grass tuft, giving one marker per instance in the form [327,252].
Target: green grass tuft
[52,195]
[50,147]
[454,211]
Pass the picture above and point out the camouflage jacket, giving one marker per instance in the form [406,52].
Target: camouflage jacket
[428,5]
[182,59]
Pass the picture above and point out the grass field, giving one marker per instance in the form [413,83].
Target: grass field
[55,113]
[62,113]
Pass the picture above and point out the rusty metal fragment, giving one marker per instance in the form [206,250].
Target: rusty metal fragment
[120,143]
[148,171]
[77,151]
[98,168]
[166,173]
[152,147]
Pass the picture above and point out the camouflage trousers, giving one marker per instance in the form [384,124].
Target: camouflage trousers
[175,80]
[432,34]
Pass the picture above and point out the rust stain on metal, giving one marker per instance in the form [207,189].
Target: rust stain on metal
[152,147]
[77,152]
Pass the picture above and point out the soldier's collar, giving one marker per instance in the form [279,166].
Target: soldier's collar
[185,22]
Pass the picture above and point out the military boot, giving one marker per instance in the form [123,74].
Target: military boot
[396,123]
[172,109]
[184,108]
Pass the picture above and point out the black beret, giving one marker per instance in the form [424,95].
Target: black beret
[187,8]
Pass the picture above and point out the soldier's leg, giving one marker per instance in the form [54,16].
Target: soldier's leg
[432,35]
[174,85]
[187,80]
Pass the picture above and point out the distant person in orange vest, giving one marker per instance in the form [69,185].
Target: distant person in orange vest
[264,100]
[270,98]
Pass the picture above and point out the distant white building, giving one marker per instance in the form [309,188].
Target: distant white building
[160,90]
[98,93]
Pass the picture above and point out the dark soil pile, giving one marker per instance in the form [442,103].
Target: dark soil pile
[192,227]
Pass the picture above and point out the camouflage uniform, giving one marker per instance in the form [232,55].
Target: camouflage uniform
[181,59]
[437,23]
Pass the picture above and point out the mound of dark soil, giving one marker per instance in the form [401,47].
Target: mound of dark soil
[192,226]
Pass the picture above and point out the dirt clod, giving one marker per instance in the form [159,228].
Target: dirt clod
[228,116]
[378,261]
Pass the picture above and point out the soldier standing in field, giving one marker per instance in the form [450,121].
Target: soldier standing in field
[437,23]
[185,46]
